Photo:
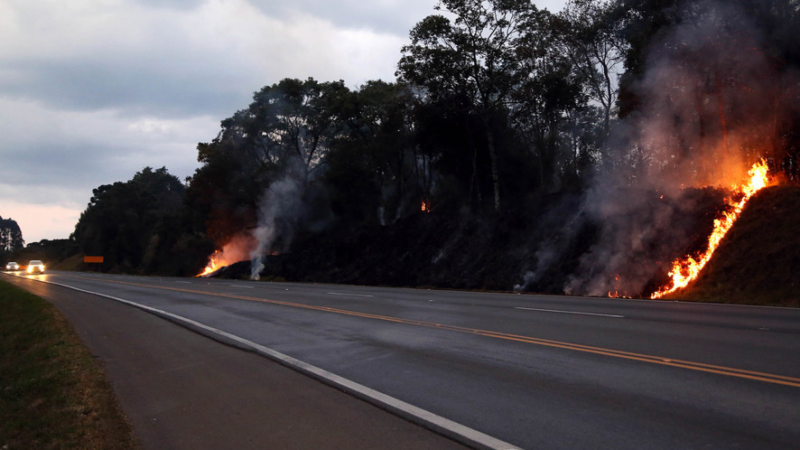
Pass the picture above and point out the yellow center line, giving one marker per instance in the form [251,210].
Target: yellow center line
[701,367]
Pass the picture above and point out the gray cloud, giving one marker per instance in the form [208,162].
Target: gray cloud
[383,16]
[138,87]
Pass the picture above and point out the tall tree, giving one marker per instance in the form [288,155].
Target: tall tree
[293,122]
[551,94]
[375,148]
[591,39]
[473,56]
[122,219]
[286,131]
[10,236]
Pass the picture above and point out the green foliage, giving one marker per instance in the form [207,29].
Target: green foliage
[478,57]
[10,236]
[371,169]
[123,219]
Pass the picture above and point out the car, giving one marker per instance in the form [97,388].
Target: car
[12,266]
[35,266]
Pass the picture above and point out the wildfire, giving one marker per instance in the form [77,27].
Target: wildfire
[616,293]
[212,265]
[686,269]
[237,249]
[425,207]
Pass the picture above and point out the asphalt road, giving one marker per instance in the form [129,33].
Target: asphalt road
[539,372]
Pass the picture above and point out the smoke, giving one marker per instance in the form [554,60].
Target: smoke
[237,249]
[544,257]
[278,213]
[711,99]
[639,232]
[710,106]
[557,244]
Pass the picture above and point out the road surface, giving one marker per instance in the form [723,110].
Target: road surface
[539,372]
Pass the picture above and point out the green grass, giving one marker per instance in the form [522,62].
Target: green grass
[53,395]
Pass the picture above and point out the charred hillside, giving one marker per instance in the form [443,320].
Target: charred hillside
[758,262]
[561,244]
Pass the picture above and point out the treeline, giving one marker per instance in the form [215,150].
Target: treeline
[495,103]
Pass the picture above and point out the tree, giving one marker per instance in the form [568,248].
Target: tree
[474,57]
[286,131]
[550,100]
[373,159]
[292,123]
[10,236]
[591,39]
[122,219]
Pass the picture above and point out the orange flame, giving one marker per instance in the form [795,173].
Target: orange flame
[688,268]
[212,265]
[237,249]
[616,293]
[425,207]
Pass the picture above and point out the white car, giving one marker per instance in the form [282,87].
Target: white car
[12,266]
[35,266]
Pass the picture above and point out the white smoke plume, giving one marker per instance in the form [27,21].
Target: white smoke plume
[278,213]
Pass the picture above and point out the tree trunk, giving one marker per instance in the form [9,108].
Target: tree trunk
[474,186]
[493,157]
[698,104]
[723,125]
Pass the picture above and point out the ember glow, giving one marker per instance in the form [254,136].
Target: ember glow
[687,269]
[615,292]
[425,207]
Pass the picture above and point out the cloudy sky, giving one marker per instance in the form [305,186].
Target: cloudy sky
[92,91]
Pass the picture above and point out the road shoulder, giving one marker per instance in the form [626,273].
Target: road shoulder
[181,390]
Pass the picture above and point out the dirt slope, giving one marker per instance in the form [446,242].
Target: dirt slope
[758,262]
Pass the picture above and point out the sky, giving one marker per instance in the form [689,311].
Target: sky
[93,91]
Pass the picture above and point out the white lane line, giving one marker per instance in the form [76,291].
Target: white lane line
[184,282]
[241,286]
[570,312]
[425,418]
[349,295]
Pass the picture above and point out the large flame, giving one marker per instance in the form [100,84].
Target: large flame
[686,269]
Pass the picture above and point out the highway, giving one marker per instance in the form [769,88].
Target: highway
[538,372]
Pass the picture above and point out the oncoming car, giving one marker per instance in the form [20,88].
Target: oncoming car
[12,266]
[35,266]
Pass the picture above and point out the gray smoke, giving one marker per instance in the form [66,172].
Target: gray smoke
[279,210]
[710,101]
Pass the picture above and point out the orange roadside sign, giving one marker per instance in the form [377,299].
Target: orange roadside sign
[92,259]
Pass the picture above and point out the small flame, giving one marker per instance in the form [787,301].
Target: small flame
[425,207]
[237,249]
[687,269]
[616,293]
[212,265]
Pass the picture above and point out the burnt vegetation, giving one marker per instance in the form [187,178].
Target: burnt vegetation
[517,149]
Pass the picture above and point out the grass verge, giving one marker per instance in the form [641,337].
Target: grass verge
[53,394]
